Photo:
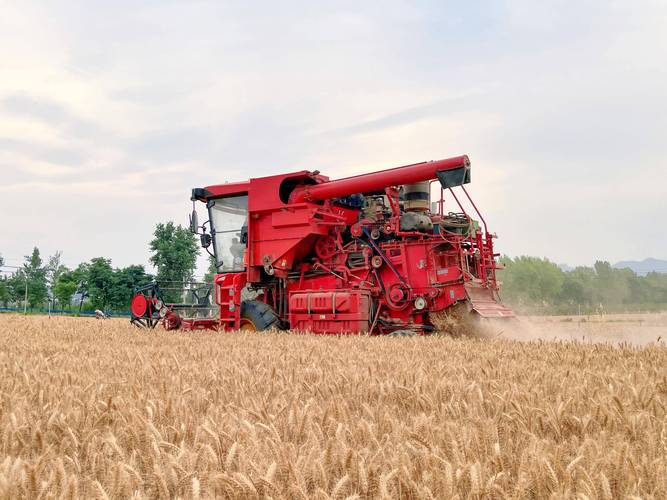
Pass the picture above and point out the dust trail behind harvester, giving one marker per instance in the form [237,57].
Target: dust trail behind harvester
[635,329]
[458,322]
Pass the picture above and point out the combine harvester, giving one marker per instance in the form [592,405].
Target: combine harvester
[365,254]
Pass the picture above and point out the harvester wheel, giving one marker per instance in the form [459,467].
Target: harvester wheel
[403,333]
[257,316]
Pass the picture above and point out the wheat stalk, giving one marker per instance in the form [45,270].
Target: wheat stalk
[90,409]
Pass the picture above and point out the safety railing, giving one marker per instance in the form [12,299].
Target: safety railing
[190,299]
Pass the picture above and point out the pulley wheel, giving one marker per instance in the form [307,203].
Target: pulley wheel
[397,296]
[326,247]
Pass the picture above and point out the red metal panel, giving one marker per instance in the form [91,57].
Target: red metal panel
[323,302]
[337,311]
[228,189]
[290,218]
[282,235]
[272,193]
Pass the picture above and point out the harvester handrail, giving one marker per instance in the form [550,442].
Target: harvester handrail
[481,217]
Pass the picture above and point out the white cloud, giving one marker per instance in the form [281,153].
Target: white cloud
[110,113]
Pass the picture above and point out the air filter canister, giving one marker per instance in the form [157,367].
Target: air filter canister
[417,197]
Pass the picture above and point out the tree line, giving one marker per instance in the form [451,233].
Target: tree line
[538,286]
[529,284]
[97,284]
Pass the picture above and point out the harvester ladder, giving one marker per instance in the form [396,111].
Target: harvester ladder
[229,299]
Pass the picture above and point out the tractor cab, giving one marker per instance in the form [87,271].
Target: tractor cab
[226,229]
[229,231]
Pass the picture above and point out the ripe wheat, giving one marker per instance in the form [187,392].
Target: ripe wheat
[99,409]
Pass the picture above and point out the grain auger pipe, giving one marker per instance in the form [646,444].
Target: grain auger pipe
[451,172]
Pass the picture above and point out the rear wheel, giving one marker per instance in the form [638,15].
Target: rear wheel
[256,316]
[403,333]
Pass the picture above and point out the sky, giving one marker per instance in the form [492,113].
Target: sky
[110,112]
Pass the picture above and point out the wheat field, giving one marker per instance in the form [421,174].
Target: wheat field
[98,409]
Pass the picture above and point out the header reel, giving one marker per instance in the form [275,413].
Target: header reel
[149,307]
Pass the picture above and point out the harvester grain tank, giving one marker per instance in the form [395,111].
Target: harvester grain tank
[362,254]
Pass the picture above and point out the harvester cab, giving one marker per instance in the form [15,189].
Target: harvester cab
[364,254]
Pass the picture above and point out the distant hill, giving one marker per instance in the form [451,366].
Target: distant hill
[643,267]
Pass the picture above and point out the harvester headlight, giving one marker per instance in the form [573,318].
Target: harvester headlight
[420,303]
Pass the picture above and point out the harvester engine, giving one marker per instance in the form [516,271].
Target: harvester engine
[365,254]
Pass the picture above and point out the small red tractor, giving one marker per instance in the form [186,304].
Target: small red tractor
[365,254]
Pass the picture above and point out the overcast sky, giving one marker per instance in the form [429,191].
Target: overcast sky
[110,112]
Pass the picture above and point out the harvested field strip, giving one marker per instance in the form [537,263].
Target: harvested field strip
[99,409]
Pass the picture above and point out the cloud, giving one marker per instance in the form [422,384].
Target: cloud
[112,112]
[57,156]
[41,109]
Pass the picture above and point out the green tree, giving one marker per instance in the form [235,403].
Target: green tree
[81,275]
[4,291]
[587,278]
[35,273]
[100,282]
[54,268]
[611,284]
[211,271]
[656,287]
[4,286]
[638,290]
[64,288]
[124,282]
[16,284]
[174,254]
[572,291]
[530,280]
[536,285]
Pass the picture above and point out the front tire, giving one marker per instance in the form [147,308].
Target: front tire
[257,316]
[403,333]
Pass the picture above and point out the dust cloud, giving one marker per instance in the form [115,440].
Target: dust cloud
[633,329]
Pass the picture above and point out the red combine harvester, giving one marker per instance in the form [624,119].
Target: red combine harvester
[364,254]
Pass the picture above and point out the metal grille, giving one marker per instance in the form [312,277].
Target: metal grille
[190,299]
